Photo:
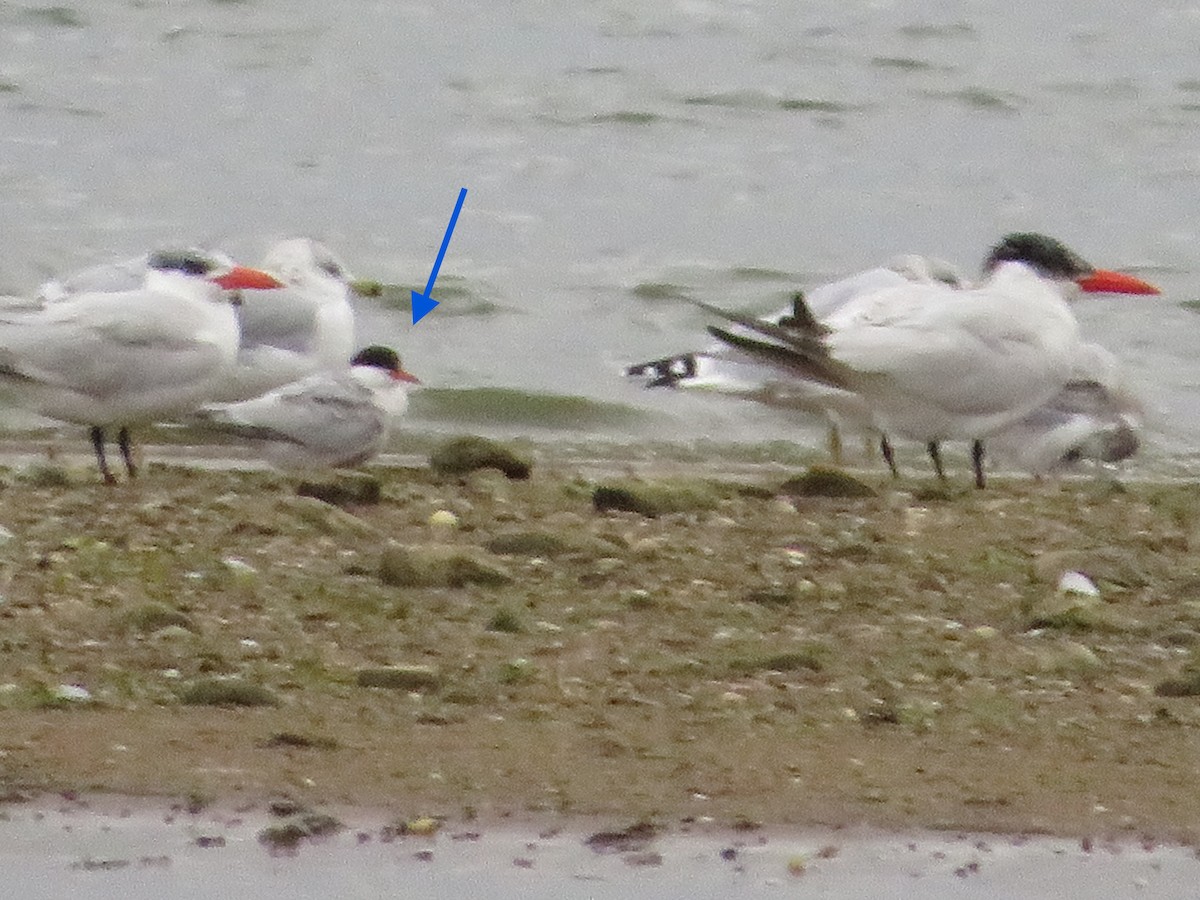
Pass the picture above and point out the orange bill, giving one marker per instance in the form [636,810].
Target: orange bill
[401,375]
[241,278]
[1102,281]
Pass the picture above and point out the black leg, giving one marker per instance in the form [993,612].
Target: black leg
[889,455]
[126,451]
[935,454]
[98,444]
[977,462]
[835,444]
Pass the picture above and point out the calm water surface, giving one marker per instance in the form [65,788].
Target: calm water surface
[621,157]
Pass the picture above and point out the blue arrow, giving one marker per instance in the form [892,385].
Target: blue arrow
[423,303]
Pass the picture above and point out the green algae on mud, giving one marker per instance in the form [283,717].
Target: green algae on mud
[884,659]
[463,455]
[226,692]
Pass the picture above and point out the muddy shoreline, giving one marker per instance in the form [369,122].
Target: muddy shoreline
[108,846]
[755,657]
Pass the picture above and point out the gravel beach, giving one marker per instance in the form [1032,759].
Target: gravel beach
[647,641]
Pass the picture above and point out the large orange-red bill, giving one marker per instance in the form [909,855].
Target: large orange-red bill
[1103,281]
[243,278]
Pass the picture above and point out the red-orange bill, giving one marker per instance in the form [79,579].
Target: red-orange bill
[401,375]
[1103,281]
[242,278]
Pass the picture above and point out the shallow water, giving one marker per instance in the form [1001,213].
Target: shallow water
[622,156]
[117,848]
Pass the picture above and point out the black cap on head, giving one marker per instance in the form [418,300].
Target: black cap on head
[378,356]
[187,261]
[1048,256]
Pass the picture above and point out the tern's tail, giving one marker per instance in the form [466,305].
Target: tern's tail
[796,344]
[666,372]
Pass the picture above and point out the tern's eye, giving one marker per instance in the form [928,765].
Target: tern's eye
[329,267]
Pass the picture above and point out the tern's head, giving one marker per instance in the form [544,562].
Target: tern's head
[378,369]
[212,266]
[385,360]
[1052,259]
[189,261]
[302,261]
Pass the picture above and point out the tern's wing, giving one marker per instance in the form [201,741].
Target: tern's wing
[124,275]
[285,319]
[800,350]
[1083,421]
[107,344]
[956,369]
[827,299]
[328,414]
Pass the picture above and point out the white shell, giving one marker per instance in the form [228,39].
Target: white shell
[1077,583]
[72,692]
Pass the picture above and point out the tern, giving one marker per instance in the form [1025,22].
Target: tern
[116,358]
[1094,417]
[933,362]
[329,419]
[724,370]
[296,322]
[307,326]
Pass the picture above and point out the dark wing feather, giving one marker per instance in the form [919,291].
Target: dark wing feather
[792,337]
[799,349]
[822,369]
[802,318]
[665,372]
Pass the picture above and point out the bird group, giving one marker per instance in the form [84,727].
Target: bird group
[911,350]
[185,334]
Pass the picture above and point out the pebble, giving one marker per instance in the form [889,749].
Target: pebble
[1077,583]
[73,693]
[443,520]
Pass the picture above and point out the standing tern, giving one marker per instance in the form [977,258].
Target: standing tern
[297,322]
[1094,418]
[936,363]
[120,357]
[306,326]
[332,419]
[724,370]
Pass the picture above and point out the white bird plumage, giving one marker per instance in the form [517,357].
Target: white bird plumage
[304,327]
[300,323]
[122,357]
[909,349]
[328,419]
[1094,417]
